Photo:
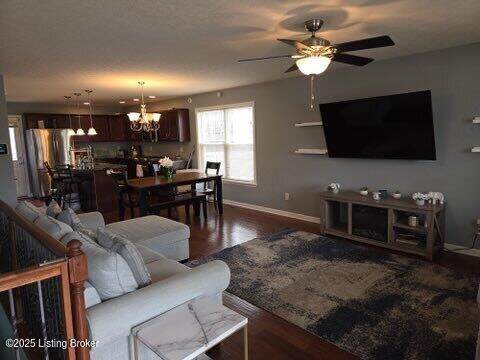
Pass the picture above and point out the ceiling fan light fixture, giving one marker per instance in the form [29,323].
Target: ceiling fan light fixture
[313,65]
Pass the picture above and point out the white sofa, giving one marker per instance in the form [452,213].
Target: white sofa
[110,321]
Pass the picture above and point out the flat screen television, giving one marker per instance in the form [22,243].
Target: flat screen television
[385,127]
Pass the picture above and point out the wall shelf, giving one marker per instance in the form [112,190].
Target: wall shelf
[476,120]
[476,149]
[311,151]
[306,124]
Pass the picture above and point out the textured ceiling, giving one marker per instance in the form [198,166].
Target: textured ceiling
[51,48]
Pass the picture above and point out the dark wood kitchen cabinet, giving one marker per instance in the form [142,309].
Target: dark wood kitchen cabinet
[49,121]
[118,126]
[174,125]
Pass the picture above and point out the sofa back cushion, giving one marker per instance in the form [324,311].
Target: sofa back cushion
[108,272]
[28,210]
[53,227]
[128,251]
[74,235]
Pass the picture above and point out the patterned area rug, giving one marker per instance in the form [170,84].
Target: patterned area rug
[369,302]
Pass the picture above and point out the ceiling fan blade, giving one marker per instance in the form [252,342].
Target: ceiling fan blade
[294,67]
[370,43]
[266,58]
[295,43]
[351,59]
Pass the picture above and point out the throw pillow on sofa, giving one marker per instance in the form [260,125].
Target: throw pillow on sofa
[53,227]
[129,252]
[108,272]
[53,209]
[70,217]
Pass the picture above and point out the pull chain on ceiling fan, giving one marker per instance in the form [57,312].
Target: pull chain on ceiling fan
[314,54]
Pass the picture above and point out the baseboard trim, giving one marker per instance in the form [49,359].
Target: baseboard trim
[268,210]
[461,250]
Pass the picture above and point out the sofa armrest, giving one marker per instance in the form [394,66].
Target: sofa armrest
[115,318]
[92,220]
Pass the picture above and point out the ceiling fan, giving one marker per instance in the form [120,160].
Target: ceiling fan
[314,54]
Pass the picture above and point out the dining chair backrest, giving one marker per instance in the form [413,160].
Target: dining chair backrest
[215,166]
[120,180]
[212,165]
[64,171]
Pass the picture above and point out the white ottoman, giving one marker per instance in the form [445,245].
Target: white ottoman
[168,237]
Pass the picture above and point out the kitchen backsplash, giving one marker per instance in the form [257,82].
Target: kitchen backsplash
[105,149]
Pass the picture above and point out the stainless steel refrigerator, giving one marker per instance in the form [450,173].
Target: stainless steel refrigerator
[52,145]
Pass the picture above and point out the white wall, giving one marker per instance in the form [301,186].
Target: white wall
[8,192]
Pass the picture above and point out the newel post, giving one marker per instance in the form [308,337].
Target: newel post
[77,268]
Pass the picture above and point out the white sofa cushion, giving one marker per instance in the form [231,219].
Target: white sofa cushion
[90,295]
[108,272]
[148,255]
[164,268]
[29,211]
[53,209]
[53,227]
[152,231]
[128,251]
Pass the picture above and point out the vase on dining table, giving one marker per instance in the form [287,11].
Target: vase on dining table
[167,168]
[167,173]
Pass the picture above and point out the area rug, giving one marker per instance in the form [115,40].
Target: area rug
[368,301]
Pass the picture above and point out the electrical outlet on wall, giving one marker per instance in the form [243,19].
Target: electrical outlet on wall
[287,196]
[181,149]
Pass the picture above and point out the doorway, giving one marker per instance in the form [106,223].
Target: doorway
[17,151]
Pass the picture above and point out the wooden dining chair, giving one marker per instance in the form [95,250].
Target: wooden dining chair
[125,197]
[208,190]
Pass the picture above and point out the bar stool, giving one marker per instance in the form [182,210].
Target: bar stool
[54,181]
[68,182]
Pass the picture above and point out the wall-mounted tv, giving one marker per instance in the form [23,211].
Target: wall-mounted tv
[385,127]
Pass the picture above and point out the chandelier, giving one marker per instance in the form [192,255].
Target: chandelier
[142,120]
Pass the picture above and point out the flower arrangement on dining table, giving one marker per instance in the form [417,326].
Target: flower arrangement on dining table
[166,165]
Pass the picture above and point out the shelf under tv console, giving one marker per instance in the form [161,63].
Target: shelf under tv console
[384,222]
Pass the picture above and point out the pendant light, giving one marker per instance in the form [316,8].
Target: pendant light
[80,131]
[91,130]
[70,129]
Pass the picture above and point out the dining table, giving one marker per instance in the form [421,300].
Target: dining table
[145,185]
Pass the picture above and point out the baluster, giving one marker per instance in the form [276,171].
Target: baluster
[42,317]
[14,321]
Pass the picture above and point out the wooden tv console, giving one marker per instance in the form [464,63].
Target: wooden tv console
[383,222]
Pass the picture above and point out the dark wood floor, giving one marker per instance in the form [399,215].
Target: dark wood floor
[270,337]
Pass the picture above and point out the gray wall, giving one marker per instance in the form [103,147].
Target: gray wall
[452,75]
[8,192]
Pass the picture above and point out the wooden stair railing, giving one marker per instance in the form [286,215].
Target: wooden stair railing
[28,255]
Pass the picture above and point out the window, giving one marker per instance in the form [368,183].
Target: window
[13,143]
[226,134]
